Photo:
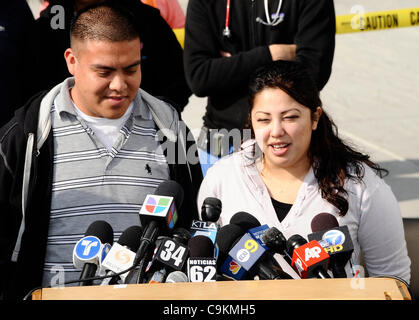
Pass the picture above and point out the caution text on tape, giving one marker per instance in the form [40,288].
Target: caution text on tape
[372,21]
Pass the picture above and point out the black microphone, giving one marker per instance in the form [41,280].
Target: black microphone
[88,251]
[276,242]
[181,235]
[121,256]
[249,252]
[201,266]
[244,220]
[211,209]
[308,258]
[210,213]
[252,254]
[335,240]
[158,214]
[226,266]
[170,254]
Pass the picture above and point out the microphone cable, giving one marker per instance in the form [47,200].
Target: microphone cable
[26,297]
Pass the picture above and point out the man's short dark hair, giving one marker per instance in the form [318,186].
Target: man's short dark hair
[103,21]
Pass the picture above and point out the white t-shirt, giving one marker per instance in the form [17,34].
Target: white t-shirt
[106,130]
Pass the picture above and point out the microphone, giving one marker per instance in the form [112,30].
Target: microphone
[276,242]
[201,263]
[335,240]
[88,251]
[181,235]
[252,256]
[210,213]
[227,267]
[249,251]
[244,220]
[211,209]
[176,276]
[171,254]
[309,259]
[161,268]
[158,214]
[121,256]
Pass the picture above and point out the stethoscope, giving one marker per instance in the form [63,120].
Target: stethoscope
[277,18]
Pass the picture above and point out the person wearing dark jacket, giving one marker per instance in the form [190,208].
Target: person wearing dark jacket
[58,172]
[225,41]
[162,55]
[16,21]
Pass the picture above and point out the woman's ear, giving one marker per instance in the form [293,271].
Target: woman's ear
[316,116]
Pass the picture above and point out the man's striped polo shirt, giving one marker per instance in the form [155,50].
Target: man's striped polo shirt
[91,183]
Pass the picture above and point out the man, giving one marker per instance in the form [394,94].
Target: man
[86,150]
[226,41]
[162,55]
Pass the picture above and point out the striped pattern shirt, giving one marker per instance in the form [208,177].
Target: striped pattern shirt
[91,183]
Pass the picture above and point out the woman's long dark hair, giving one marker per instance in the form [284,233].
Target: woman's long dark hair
[332,160]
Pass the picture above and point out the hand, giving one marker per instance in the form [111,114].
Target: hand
[283,51]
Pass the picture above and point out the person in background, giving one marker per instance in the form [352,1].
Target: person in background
[170,10]
[16,22]
[161,61]
[89,149]
[296,166]
[225,41]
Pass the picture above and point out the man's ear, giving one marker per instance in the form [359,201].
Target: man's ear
[316,117]
[71,60]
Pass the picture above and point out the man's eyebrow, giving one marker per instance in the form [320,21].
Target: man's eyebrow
[103,67]
[136,63]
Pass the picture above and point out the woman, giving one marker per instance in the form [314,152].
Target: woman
[297,167]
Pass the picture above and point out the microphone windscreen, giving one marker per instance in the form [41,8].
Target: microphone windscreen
[294,242]
[170,188]
[274,240]
[211,209]
[131,237]
[102,230]
[176,276]
[245,220]
[324,221]
[181,235]
[201,246]
[227,236]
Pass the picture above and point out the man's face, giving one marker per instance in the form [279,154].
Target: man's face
[107,76]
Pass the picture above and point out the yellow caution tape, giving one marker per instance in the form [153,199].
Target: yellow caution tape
[180,35]
[371,21]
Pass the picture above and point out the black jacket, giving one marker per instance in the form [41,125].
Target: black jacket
[162,56]
[310,24]
[15,44]
[18,278]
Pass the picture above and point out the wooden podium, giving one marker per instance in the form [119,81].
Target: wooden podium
[308,289]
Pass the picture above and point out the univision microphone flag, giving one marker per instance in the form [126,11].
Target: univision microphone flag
[160,206]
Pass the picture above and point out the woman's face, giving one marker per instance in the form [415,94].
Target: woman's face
[283,128]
